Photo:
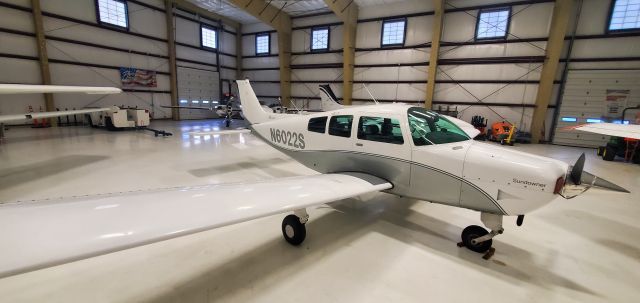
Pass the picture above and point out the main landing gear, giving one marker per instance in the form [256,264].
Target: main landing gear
[293,228]
[478,239]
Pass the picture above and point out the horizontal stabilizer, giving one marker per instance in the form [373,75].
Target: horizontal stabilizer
[46,233]
[40,89]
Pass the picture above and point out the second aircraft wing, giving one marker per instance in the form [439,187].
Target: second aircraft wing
[612,129]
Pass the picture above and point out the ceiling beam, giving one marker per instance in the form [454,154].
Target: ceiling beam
[347,11]
[190,7]
[281,22]
[265,12]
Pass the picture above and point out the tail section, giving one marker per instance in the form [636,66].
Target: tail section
[328,98]
[251,108]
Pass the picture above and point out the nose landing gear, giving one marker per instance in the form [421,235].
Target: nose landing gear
[478,239]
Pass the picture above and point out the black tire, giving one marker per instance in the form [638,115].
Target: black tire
[109,124]
[474,231]
[293,231]
[88,117]
[600,150]
[511,143]
[502,142]
[609,154]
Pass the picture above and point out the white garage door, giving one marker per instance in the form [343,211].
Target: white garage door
[197,87]
[595,96]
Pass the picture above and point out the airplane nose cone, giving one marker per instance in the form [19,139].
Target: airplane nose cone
[516,181]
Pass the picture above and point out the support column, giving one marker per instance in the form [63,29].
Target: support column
[171,48]
[43,58]
[347,11]
[349,53]
[436,34]
[284,59]
[555,43]
[239,52]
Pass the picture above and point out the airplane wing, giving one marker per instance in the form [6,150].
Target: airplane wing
[611,129]
[46,233]
[29,116]
[36,89]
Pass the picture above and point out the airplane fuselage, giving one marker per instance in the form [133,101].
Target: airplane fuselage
[464,173]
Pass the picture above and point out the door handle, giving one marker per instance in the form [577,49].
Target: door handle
[358,144]
[456,147]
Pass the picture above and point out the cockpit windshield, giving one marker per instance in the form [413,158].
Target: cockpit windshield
[428,127]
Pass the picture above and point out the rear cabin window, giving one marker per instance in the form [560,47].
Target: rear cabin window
[428,127]
[379,129]
[340,126]
[317,125]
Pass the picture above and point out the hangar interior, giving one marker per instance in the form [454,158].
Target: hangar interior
[544,66]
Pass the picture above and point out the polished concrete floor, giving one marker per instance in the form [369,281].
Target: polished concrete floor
[376,248]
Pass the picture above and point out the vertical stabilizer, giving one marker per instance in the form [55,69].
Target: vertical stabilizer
[329,101]
[251,108]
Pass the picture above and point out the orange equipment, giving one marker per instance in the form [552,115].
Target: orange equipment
[502,132]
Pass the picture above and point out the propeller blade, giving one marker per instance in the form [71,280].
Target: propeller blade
[576,170]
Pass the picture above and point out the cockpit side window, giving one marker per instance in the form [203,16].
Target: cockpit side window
[317,125]
[379,129]
[428,127]
[340,126]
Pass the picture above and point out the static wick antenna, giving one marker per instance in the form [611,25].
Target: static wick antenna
[370,94]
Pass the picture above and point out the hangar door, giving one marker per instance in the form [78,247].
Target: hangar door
[592,96]
[200,88]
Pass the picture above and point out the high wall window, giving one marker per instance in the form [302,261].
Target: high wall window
[263,44]
[625,15]
[112,12]
[320,38]
[493,23]
[393,32]
[208,37]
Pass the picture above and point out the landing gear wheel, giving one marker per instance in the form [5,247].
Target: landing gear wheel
[292,230]
[474,231]
[227,122]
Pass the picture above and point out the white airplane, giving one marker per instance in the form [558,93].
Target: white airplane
[399,149]
[34,89]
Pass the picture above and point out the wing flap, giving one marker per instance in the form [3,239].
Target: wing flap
[41,234]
